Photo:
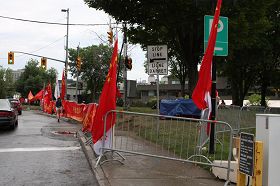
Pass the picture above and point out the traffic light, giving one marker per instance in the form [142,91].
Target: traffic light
[78,63]
[128,63]
[44,63]
[110,36]
[11,58]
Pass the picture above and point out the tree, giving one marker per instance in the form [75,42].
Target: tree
[94,68]
[10,85]
[34,77]
[6,83]
[2,83]
[269,71]
[247,49]
[178,23]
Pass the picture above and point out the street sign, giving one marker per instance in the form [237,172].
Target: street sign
[157,60]
[246,160]
[221,47]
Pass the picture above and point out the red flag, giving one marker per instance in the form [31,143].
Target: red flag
[48,94]
[201,94]
[30,96]
[62,93]
[107,99]
[39,95]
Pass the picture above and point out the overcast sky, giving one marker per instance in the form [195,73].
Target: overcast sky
[49,40]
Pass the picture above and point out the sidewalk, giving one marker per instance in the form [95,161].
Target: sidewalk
[147,171]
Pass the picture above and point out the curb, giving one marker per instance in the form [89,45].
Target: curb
[98,172]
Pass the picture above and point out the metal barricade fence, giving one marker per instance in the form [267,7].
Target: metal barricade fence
[247,118]
[231,115]
[167,137]
[241,118]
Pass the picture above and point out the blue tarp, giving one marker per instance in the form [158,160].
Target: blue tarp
[179,107]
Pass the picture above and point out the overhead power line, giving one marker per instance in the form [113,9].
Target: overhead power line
[53,23]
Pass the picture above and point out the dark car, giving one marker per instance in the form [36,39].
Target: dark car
[17,105]
[8,115]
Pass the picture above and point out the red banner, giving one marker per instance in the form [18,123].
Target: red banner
[74,110]
[89,113]
[83,113]
[49,108]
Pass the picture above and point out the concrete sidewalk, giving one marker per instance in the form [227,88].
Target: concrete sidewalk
[147,171]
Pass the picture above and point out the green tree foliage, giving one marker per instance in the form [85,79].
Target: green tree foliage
[94,68]
[250,51]
[178,23]
[2,83]
[34,77]
[6,83]
[253,37]
[10,85]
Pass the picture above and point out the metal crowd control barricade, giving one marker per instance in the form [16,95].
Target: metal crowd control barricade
[231,115]
[247,117]
[166,137]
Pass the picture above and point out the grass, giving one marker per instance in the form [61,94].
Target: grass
[140,109]
[177,137]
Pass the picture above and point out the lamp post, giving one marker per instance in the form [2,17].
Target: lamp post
[66,55]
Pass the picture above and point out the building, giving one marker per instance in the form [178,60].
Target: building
[17,74]
[170,88]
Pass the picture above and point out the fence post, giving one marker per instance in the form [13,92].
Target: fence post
[241,178]
[258,161]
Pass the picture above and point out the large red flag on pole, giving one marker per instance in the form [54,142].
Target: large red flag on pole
[48,94]
[107,100]
[201,94]
[62,93]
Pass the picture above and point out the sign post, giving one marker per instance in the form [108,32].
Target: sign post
[221,49]
[157,64]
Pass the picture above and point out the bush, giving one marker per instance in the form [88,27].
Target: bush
[152,102]
[255,99]
[138,104]
[120,102]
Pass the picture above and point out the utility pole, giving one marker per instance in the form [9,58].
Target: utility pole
[124,69]
[66,56]
[78,73]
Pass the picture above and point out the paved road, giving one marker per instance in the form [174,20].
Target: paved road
[34,154]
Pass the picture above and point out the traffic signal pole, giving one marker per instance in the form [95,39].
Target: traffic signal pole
[124,69]
[53,59]
[66,56]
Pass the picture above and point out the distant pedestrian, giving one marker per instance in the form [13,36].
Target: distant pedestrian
[223,102]
[58,105]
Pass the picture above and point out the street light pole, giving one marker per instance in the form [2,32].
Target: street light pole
[66,53]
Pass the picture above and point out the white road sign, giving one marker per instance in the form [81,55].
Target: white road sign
[157,60]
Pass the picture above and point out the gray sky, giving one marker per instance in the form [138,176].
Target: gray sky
[49,40]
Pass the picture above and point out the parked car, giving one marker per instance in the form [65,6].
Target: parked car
[8,115]
[17,105]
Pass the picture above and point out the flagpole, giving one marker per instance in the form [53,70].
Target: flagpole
[43,97]
[78,72]
[213,112]
[213,99]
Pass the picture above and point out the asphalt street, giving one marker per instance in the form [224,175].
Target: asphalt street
[38,153]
